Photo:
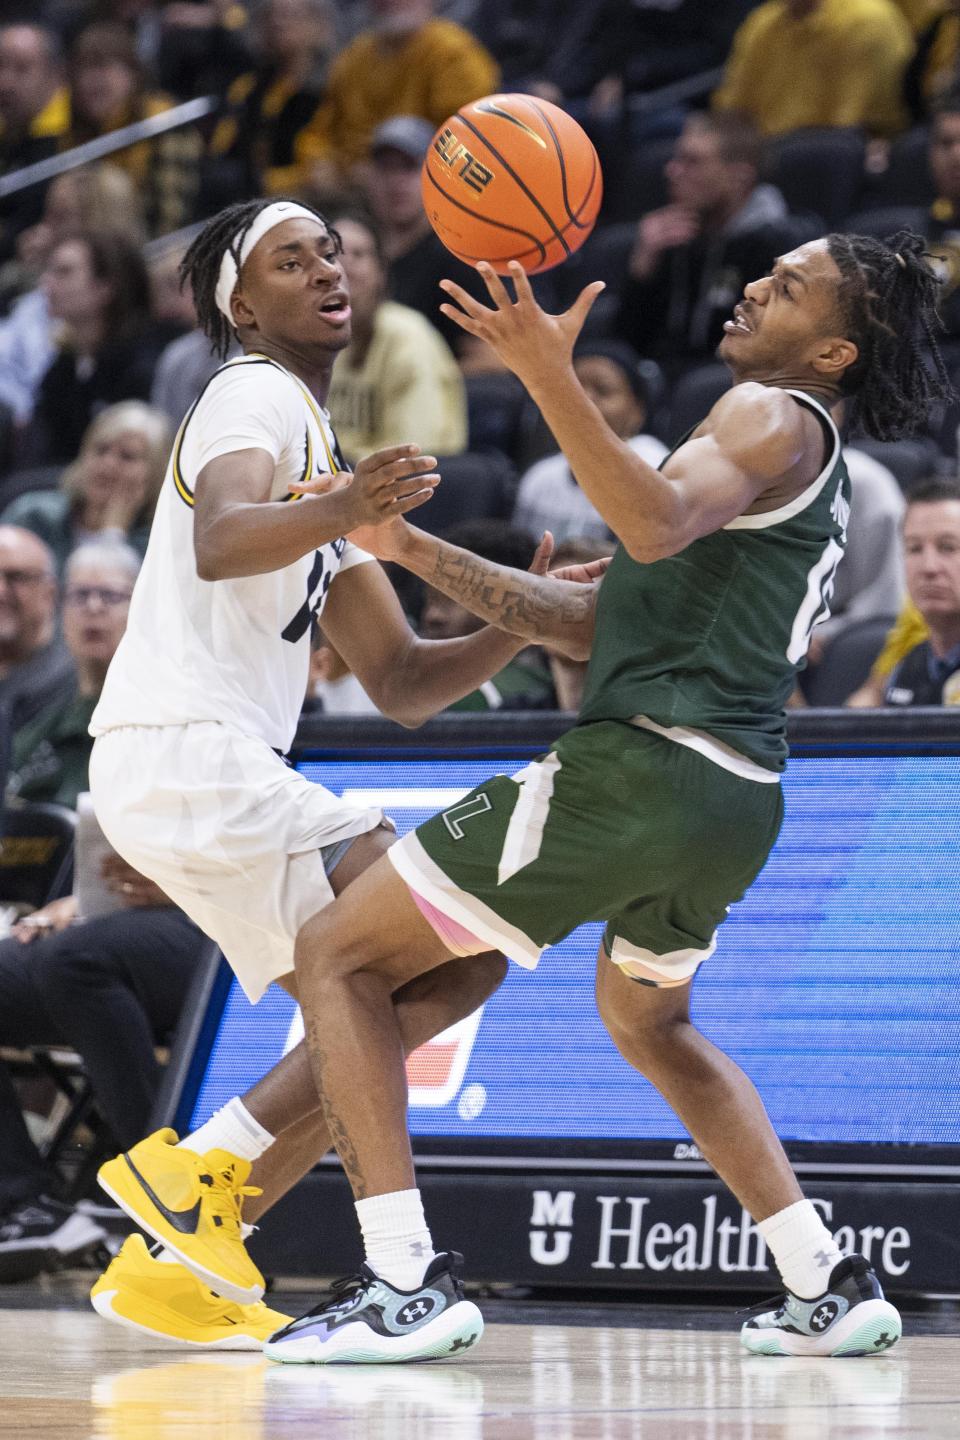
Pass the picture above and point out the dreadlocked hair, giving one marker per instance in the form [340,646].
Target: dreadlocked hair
[226,231]
[888,299]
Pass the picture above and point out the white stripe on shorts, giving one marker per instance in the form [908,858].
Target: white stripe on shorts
[521,844]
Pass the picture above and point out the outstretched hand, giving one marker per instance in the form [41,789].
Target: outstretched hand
[384,486]
[529,341]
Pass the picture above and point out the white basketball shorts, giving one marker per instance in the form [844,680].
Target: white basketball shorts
[228,831]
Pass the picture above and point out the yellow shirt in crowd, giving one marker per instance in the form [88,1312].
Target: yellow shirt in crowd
[408,388]
[919,13]
[841,65]
[438,68]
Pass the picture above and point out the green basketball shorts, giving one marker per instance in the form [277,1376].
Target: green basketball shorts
[614,823]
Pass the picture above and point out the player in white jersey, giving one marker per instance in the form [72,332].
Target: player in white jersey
[201,702]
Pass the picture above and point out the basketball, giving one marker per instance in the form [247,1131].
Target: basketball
[511,177]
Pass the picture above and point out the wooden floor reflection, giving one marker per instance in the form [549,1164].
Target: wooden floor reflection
[71,1375]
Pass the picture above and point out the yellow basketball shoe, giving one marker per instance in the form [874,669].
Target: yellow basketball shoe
[167,1302]
[191,1204]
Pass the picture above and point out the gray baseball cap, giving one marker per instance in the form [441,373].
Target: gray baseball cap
[410,134]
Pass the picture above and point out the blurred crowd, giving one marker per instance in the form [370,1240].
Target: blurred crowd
[728,134]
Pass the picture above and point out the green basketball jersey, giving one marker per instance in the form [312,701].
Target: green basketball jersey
[712,638]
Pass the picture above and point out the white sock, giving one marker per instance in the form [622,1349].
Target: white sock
[232,1128]
[803,1248]
[395,1237]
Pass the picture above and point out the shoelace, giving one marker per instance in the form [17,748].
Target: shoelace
[777,1304]
[339,1291]
[226,1198]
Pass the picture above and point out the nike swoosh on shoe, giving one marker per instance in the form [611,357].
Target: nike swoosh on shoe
[185,1221]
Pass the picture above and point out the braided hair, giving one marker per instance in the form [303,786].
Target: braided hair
[888,299]
[226,231]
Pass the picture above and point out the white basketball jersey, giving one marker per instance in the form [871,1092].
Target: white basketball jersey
[235,650]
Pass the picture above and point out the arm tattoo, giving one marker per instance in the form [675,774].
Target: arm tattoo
[529,605]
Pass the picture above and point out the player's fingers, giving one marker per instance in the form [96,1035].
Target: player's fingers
[414,468]
[411,502]
[584,302]
[499,294]
[409,486]
[466,302]
[472,327]
[540,563]
[521,279]
[377,459]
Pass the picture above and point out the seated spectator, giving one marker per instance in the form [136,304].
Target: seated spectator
[570,676]
[51,754]
[96,284]
[107,91]
[692,259]
[929,674]
[407,63]
[549,497]
[417,260]
[95,197]
[35,666]
[255,147]
[34,117]
[525,683]
[870,580]
[193,47]
[557,49]
[909,630]
[111,988]
[798,63]
[933,69]
[397,380]
[110,490]
[940,224]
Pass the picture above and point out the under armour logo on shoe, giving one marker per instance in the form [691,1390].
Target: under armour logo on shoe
[824,1316]
[824,1261]
[409,1313]
[463,1344]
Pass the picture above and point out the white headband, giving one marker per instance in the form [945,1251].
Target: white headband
[274,214]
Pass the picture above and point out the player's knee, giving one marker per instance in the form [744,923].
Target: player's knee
[642,1036]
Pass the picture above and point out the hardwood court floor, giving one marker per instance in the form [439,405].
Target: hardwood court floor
[65,1374]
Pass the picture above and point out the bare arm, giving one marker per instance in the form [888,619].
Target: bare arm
[407,678]
[238,530]
[756,433]
[533,606]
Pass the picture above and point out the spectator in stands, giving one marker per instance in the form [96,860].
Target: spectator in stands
[525,683]
[691,259]
[193,47]
[908,631]
[51,753]
[940,223]
[97,285]
[407,63]
[256,146]
[110,490]
[94,197]
[929,673]
[107,91]
[549,497]
[557,49]
[797,63]
[35,666]
[933,69]
[397,380]
[417,260]
[870,582]
[34,116]
[111,988]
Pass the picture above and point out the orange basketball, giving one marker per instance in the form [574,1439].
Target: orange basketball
[511,177]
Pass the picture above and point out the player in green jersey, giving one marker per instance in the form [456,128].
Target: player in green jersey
[659,808]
